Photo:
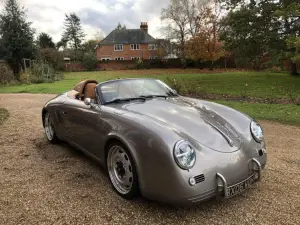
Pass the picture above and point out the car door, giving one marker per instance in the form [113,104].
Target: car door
[82,125]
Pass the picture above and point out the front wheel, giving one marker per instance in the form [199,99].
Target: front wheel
[49,129]
[122,171]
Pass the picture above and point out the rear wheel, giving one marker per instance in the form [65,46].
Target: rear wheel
[49,129]
[122,171]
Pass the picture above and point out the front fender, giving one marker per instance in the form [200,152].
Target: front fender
[151,146]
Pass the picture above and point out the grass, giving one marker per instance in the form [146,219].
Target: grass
[237,84]
[3,115]
[288,114]
[257,85]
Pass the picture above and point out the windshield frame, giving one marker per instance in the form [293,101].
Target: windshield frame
[102,100]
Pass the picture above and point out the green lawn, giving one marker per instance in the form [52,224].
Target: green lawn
[3,115]
[238,84]
[289,114]
[259,85]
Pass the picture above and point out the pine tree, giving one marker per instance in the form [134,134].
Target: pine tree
[120,27]
[45,41]
[73,32]
[16,36]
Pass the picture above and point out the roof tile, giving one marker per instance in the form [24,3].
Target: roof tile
[128,36]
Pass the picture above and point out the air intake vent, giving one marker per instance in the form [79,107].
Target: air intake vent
[57,115]
[200,178]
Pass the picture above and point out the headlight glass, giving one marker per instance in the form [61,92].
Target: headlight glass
[184,154]
[256,131]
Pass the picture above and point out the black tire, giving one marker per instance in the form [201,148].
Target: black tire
[50,132]
[134,190]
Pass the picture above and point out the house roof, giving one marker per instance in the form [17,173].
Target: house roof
[128,36]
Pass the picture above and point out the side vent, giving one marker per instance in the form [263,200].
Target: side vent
[200,178]
[58,116]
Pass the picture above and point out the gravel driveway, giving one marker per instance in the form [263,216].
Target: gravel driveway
[45,184]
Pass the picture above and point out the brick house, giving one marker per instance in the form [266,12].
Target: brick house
[128,44]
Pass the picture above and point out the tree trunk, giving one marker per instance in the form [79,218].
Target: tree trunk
[294,71]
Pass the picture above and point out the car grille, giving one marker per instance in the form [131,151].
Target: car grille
[200,178]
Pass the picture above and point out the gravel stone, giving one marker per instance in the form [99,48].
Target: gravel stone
[42,183]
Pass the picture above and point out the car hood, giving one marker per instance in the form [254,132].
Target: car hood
[191,120]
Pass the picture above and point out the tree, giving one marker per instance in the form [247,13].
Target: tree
[62,44]
[178,21]
[16,36]
[181,17]
[205,45]
[241,37]
[73,32]
[289,13]
[45,41]
[256,28]
[203,48]
[90,61]
[90,45]
[120,27]
[251,31]
[53,57]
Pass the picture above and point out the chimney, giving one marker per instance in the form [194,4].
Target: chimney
[144,26]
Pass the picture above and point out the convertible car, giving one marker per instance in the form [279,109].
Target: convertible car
[169,148]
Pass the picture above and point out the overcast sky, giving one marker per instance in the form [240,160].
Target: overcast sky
[96,15]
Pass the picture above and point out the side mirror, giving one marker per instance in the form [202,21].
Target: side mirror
[87,101]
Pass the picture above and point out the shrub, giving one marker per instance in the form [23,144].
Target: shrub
[40,73]
[90,61]
[140,64]
[53,57]
[174,84]
[6,74]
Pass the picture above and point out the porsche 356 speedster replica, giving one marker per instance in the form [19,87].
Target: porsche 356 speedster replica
[170,148]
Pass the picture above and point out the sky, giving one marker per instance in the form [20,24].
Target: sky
[95,15]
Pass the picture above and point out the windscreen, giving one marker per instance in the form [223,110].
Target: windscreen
[133,88]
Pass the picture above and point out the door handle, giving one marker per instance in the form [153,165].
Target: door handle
[65,113]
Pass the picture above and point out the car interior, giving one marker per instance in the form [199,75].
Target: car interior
[84,89]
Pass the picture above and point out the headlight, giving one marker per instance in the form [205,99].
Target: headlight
[256,131]
[184,154]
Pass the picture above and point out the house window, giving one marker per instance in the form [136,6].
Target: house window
[135,58]
[153,57]
[152,46]
[105,59]
[118,47]
[119,58]
[135,47]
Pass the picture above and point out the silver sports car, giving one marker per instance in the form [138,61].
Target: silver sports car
[152,141]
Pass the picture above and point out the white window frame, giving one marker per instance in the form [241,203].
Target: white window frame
[134,47]
[119,58]
[118,47]
[153,57]
[105,59]
[153,47]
